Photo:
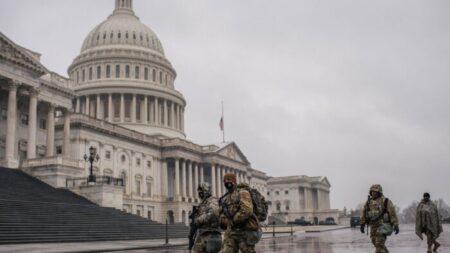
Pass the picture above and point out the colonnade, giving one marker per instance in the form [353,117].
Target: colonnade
[132,108]
[188,175]
[11,123]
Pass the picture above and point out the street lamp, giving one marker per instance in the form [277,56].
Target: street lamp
[93,156]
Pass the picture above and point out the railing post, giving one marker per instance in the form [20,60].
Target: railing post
[273,229]
[167,232]
[292,231]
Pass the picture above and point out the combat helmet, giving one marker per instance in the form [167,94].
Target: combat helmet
[376,188]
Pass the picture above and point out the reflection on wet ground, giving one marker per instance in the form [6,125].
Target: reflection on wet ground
[339,241]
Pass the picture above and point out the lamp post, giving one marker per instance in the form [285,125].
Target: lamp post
[93,156]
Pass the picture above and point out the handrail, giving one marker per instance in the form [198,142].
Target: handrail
[72,182]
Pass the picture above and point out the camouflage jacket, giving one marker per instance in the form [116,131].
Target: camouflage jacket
[374,208]
[236,211]
[207,216]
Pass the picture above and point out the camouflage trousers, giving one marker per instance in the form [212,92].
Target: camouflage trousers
[235,241]
[200,243]
[378,240]
[431,240]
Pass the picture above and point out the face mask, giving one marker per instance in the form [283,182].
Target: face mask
[201,195]
[229,185]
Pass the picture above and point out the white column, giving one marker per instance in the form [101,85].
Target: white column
[66,141]
[10,154]
[183,178]
[165,113]
[150,112]
[190,182]
[97,107]
[177,178]
[177,117]
[213,180]
[182,119]
[77,105]
[32,125]
[144,112]
[133,109]
[195,179]
[51,131]
[87,110]
[110,108]
[163,178]
[202,177]
[156,110]
[172,115]
[122,108]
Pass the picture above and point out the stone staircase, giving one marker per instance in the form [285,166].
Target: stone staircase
[34,212]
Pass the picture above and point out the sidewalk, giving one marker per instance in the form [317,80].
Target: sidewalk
[108,246]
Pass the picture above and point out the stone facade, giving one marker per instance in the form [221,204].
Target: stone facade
[297,197]
[120,98]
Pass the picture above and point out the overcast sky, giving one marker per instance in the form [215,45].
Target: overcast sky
[357,91]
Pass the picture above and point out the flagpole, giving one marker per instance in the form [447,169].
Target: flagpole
[223,129]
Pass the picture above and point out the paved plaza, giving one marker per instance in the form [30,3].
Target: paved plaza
[338,241]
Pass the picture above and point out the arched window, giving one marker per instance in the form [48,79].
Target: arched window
[127,71]
[126,35]
[108,71]
[149,181]
[99,72]
[117,71]
[160,77]
[78,76]
[278,205]
[146,73]
[90,73]
[154,75]
[136,72]
[83,75]
[118,35]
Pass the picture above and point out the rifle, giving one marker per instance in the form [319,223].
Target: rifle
[192,228]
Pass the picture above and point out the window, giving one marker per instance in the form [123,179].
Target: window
[146,73]
[149,164]
[118,35]
[78,77]
[149,215]
[286,192]
[83,75]
[149,189]
[108,154]
[138,161]
[287,207]
[4,113]
[43,124]
[90,73]
[138,187]
[123,158]
[136,72]
[277,193]
[160,77]
[117,71]
[154,75]
[108,71]
[24,119]
[278,206]
[138,212]
[165,80]
[127,71]
[58,150]
[268,193]
[99,72]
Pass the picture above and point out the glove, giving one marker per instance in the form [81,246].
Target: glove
[396,229]
[363,226]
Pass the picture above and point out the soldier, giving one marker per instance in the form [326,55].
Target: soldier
[237,218]
[206,221]
[379,214]
[428,222]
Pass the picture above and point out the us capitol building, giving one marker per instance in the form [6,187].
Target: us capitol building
[120,99]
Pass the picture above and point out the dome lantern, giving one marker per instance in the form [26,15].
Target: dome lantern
[124,6]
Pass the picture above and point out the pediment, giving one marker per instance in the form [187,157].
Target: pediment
[17,55]
[232,151]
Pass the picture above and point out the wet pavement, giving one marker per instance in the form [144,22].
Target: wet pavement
[338,241]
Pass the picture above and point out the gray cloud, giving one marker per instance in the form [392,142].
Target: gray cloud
[353,90]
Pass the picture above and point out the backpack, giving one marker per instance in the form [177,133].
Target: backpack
[260,206]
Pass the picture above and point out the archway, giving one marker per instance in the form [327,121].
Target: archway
[170,218]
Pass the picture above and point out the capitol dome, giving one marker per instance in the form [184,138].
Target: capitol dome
[122,76]
[122,28]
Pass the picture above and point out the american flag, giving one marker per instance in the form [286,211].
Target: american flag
[221,123]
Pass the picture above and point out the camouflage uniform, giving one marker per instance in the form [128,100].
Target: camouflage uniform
[237,218]
[373,209]
[206,219]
